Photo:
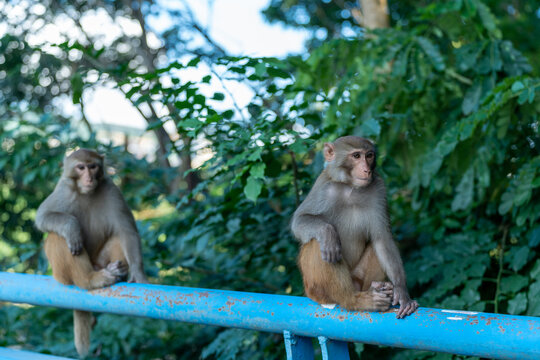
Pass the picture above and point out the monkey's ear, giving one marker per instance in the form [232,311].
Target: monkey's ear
[329,152]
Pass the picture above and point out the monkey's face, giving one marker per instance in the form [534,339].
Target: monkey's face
[351,160]
[361,164]
[87,175]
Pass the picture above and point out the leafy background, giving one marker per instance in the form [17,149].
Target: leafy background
[450,93]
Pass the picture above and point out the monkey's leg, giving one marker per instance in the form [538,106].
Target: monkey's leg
[69,269]
[112,255]
[368,270]
[333,283]
[369,277]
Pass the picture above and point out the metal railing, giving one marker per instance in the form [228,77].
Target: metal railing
[298,318]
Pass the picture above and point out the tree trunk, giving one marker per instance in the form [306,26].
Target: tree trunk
[374,14]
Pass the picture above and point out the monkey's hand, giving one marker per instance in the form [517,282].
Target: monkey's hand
[74,238]
[330,244]
[406,305]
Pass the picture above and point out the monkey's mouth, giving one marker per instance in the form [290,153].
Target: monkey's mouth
[88,188]
[360,182]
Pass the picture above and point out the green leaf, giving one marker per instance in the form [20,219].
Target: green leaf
[77,87]
[520,258]
[298,147]
[534,299]
[464,191]
[517,86]
[491,60]
[523,97]
[507,201]
[535,272]
[519,191]
[488,19]
[371,127]
[432,52]
[430,165]
[470,293]
[218,96]
[399,68]
[199,99]
[260,69]
[257,171]
[467,55]
[515,63]
[255,154]
[278,73]
[228,114]
[532,95]
[190,124]
[525,179]
[471,99]
[451,223]
[194,62]
[534,237]
[477,269]
[518,304]
[513,284]
[253,188]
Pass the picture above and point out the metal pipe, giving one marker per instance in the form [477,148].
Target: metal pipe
[458,332]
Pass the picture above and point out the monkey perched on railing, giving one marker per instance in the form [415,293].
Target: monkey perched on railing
[93,241]
[347,248]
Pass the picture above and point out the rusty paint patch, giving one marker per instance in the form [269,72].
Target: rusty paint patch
[489,319]
[116,292]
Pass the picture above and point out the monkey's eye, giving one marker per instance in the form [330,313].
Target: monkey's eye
[369,155]
[92,166]
[80,167]
[356,155]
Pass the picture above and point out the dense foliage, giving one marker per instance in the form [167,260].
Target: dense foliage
[448,94]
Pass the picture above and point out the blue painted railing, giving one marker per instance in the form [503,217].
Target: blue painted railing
[297,318]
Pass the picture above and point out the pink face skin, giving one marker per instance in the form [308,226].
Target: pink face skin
[361,172]
[87,176]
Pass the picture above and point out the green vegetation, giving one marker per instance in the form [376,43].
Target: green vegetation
[450,93]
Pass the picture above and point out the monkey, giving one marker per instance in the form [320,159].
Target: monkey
[347,251]
[92,239]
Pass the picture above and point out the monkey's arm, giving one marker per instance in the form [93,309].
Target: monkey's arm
[308,227]
[125,229]
[308,223]
[50,219]
[390,260]
[131,245]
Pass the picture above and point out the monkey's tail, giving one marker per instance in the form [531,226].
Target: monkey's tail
[82,326]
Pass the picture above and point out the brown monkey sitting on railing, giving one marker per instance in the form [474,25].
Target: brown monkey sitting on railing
[347,247]
[93,241]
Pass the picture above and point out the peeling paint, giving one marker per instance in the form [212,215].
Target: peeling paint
[461,332]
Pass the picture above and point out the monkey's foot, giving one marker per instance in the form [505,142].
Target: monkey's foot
[384,287]
[115,271]
[378,297]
